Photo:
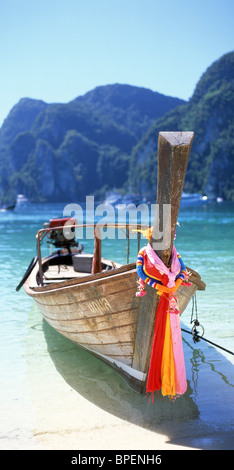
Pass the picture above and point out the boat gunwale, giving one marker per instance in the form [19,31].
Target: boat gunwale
[127,269]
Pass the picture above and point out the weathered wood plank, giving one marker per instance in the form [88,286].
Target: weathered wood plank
[108,335]
[108,338]
[95,324]
[66,302]
[96,306]
[144,330]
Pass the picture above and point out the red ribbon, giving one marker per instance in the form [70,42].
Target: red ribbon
[154,374]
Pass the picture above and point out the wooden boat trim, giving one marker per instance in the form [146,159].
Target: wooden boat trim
[130,269]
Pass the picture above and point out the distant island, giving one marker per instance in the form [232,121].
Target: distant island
[107,139]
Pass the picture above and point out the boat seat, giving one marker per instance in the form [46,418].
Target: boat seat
[82,262]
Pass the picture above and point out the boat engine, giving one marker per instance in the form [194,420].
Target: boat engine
[61,237]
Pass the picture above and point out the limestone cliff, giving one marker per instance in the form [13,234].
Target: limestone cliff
[62,152]
[209,113]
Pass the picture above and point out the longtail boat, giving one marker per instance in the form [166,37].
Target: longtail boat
[92,300]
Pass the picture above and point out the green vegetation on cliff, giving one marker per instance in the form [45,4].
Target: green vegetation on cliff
[209,114]
[60,152]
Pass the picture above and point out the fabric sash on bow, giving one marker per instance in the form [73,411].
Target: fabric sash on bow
[167,368]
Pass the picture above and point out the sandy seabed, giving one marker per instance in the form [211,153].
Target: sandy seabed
[70,400]
[80,403]
[77,402]
[66,419]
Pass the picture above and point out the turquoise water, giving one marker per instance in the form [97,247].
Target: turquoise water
[205,240]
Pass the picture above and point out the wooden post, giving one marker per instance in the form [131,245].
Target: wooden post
[128,248]
[39,258]
[96,264]
[173,154]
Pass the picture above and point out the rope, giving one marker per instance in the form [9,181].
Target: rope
[194,332]
[214,344]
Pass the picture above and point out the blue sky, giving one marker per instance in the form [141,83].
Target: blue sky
[56,50]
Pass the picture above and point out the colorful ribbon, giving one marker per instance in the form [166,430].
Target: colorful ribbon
[167,368]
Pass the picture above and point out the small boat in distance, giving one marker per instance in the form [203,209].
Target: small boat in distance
[7,207]
[92,300]
[193,198]
[21,199]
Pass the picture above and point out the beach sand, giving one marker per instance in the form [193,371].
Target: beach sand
[83,426]
[79,403]
[76,402]
[64,419]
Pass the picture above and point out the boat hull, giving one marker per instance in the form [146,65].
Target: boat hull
[103,315]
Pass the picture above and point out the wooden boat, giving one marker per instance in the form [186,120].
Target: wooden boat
[92,300]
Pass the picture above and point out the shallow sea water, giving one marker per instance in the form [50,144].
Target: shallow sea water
[36,361]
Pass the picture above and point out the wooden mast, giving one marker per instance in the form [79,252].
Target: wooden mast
[173,154]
